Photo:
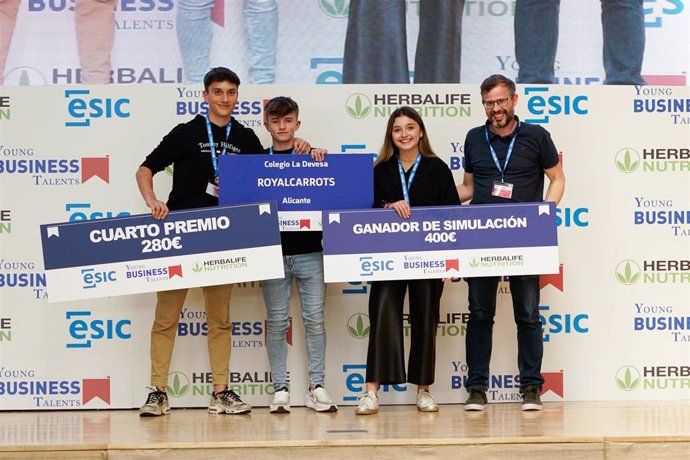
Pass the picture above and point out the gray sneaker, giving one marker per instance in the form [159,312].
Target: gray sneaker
[530,398]
[228,402]
[319,400]
[156,404]
[476,400]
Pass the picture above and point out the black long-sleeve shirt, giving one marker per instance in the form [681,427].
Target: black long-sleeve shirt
[433,184]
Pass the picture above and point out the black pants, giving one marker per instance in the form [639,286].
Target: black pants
[386,355]
[376,42]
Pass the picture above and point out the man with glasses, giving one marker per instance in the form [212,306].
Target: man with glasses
[505,162]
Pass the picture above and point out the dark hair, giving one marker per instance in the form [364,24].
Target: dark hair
[281,106]
[495,80]
[388,149]
[220,74]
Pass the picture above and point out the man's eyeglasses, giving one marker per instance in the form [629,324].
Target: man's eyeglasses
[500,102]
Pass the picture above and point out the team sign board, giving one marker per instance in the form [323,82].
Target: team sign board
[301,186]
[129,255]
[440,242]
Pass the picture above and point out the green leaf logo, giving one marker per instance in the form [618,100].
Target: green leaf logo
[628,272]
[474,263]
[197,267]
[627,160]
[358,105]
[335,8]
[170,169]
[179,386]
[358,326]
[627,378]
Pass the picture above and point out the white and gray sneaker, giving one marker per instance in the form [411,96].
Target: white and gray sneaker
[281,401]
[228,402]
[156,404]
[367,404]
[318,399]
[425,403]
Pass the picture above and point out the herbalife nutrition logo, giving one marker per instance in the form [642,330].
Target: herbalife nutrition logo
[335,8]
[358,326]
[627,160]
[474,263]
[358,105]
[179,386]
[628,272]
[169,170]
[197,267]
[627,378]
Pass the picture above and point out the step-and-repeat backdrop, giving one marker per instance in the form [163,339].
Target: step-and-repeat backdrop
[307,38]
[616,318]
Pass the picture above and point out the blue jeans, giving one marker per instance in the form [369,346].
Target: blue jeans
[482,299]
[195,34]
[536,40]
[307,270]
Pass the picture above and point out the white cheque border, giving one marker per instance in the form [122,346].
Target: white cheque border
[262,263]
[390,265]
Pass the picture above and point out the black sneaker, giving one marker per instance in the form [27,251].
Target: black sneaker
[476,400]
[530,397]
[156,404]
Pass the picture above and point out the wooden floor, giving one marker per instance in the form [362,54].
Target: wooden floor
[645,430]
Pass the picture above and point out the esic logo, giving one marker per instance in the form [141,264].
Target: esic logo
[77,216]
[369,266]
[667,7]
[91,278]
[572,217]
[83,108]
[354,382]
[84,331]
[542,106]
[561,324]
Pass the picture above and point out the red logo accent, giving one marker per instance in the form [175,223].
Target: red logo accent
[553,381]
[174,270]
[96,388]
[218,12]
[98,167]
[665,80]
[556,279]
[304,223]
[288,334]
[452,264]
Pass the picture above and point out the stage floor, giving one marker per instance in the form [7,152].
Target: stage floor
[653,429]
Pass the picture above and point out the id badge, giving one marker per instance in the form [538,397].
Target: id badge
[502,189]
[211,189]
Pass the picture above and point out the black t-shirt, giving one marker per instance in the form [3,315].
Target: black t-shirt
[433,184]
[187,146]
[533,152]
[297,243]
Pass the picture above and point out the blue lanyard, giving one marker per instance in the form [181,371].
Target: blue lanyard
[214,158]
[407,184]
[270,150]
[510,150]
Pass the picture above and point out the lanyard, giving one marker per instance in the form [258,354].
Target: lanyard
[270,150]
[214,158]
[407,184]
[510,150]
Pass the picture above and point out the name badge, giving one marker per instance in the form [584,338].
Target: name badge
[212,189]
[502,189]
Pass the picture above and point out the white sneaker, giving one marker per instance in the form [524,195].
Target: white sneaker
[281,401]
[425,403]
[318,399]
[368,404]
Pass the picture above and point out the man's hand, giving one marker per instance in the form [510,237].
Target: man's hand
[159,210]
[318,154]
[302,146]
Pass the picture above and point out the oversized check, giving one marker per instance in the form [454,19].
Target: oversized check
[440,242]
[128,255]
[301,186]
